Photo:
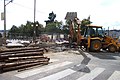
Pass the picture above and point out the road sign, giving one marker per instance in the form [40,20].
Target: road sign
[2,16]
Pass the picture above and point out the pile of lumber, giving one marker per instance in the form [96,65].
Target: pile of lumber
[14,59]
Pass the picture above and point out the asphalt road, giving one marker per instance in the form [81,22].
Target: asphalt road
[72,65]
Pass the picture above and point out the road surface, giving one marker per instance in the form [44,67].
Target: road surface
[72,65]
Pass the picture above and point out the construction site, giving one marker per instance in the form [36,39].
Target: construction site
[84,45]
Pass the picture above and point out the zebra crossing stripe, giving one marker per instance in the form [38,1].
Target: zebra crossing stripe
[43,69]
[59,75]
[94,73]
[115,76]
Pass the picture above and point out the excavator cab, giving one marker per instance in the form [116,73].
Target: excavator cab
[93,31]
[93,36]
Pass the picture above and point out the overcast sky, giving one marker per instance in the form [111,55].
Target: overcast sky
[103,12]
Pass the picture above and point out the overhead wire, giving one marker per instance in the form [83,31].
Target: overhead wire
[20,5]
[27,7]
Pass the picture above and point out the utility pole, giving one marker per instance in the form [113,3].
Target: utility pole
[5,22]
[5,19]
[34,26]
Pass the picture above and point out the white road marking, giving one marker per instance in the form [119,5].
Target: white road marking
[90,76]
[59,75]
[115,76]
[53,60]
[43,69]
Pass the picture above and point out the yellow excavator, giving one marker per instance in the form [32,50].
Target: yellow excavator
[93,38]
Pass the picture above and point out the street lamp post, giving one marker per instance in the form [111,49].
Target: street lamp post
[34,35]
[5,19]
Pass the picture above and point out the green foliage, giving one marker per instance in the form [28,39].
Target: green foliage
[13,31]
[65,29]
[85,22]
[51,17]
[53,27]
[67,22]
[25,31]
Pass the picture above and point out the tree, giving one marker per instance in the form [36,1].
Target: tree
[25,31]
[51,28]
[39,28]
[85,22]
[13,32]
[51,18]
[21,30]
[67,26]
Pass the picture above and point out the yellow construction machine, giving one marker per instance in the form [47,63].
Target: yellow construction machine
[93,38]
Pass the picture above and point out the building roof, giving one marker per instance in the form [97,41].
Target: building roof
[70,15]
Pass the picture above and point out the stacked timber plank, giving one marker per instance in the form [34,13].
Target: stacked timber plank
[13,59]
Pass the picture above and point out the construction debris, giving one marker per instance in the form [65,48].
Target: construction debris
[13,59]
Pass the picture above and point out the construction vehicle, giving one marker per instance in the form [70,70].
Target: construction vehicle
[93,38]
